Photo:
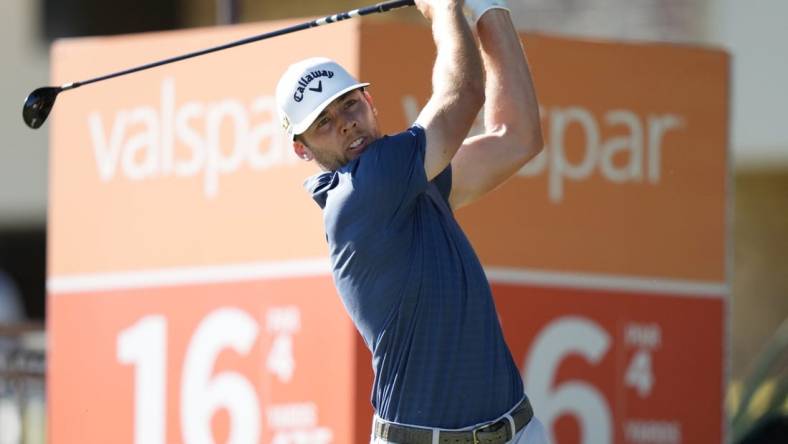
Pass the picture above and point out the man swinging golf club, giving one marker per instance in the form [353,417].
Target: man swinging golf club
[404,269]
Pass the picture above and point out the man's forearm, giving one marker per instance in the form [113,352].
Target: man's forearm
[457,85]
[510,98]
[458,65]
[512,133]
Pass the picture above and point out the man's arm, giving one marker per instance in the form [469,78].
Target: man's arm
[511,115]
[457,84]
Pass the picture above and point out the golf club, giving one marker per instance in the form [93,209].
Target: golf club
[40,102]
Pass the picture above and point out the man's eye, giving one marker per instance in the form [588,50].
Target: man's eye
[350,102]
[322,122]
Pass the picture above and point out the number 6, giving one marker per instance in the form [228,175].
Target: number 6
[563,337]
[203,394]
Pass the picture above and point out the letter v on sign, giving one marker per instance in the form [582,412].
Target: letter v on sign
[319,88]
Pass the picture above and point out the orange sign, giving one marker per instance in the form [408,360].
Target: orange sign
[633,176]
[604,366]
[153,166]
[263,361]
[190,294]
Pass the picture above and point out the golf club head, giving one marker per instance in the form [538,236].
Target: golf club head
[38,105]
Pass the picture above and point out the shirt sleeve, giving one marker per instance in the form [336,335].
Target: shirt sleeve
[390,174]
[443,182]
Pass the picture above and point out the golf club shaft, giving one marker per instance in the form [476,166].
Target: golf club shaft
[377,8]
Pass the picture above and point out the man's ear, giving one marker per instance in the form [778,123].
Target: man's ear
[371,102]
[302,150]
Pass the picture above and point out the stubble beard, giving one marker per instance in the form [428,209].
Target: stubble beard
[330,162]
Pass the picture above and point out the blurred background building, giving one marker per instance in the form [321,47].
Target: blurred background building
[754,33]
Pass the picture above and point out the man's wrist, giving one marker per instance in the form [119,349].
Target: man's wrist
[475,9]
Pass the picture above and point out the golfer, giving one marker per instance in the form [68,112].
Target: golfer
[404,269]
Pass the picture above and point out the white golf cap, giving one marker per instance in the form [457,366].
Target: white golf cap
[307,88]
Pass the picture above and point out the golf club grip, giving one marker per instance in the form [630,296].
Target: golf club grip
[387,6]
[380,7]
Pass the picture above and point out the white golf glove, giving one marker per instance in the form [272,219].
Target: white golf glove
[476,8]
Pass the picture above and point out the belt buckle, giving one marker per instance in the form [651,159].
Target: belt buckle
[475,438]
[491,427]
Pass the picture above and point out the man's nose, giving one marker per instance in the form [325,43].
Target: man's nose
[348,123]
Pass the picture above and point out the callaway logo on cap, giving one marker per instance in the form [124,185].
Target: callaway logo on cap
[307,88]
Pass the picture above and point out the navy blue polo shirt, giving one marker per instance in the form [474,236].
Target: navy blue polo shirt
[415,289]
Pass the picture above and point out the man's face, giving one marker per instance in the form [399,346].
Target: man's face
[341,132]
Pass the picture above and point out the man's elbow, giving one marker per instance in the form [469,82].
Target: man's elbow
[525,143]
[533,143]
